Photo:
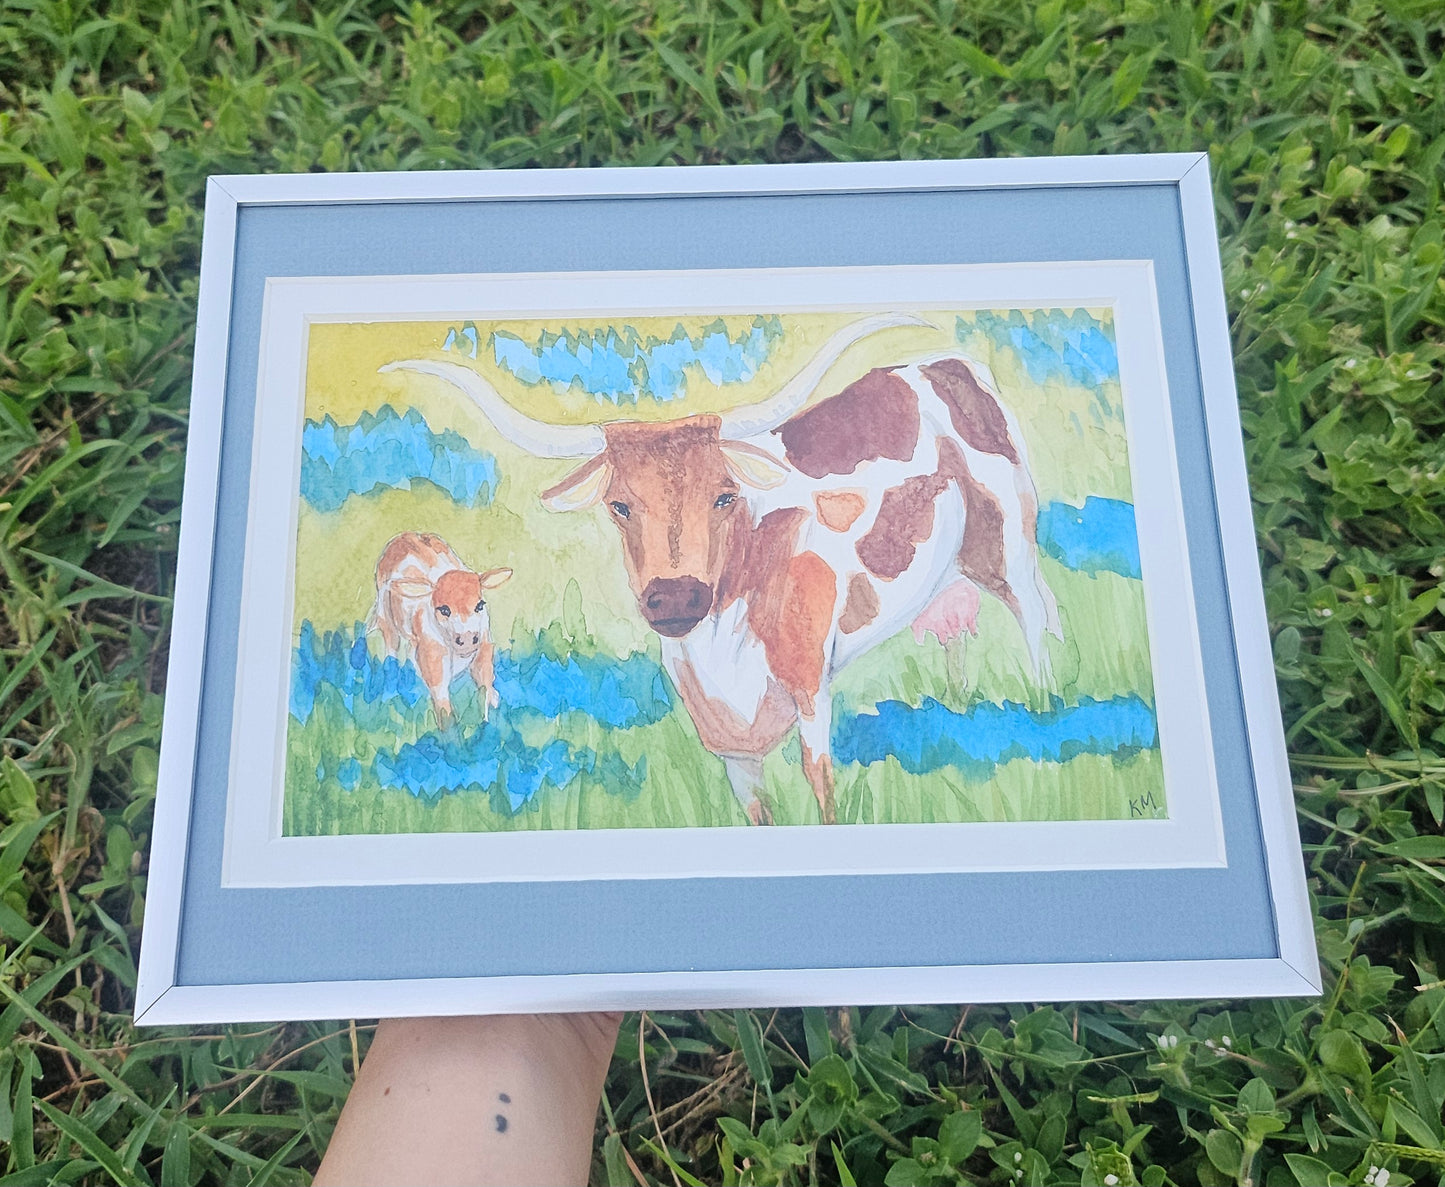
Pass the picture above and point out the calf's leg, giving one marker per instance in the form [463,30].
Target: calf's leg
[431,662]
[484,674]
[384,617]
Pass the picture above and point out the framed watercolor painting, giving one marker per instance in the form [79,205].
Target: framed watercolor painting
[727,586]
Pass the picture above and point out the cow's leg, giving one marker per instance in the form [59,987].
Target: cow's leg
[1031,611]
[1026,546]
[484,674]
[745,773]
[1023,552]
[813,731]
[1051,604]
[431,662]
[1034,605]
[798,653]
[1000,554]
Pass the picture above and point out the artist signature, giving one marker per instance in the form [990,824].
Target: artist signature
[1145,805]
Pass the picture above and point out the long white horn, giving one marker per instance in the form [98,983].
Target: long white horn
[536,437]
[742,423]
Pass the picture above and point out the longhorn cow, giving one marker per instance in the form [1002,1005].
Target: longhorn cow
[771,545]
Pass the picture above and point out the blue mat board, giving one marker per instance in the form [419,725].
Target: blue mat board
[238,936]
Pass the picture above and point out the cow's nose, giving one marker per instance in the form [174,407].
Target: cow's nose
[674,605]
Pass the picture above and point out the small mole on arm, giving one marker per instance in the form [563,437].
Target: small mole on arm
[388,1091]
[501,1124]
[504,1098]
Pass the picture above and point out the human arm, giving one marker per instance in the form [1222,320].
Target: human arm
[502,1099]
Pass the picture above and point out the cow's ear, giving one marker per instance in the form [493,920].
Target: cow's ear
[581,488]
[412,589]
[753,466]
[494,577]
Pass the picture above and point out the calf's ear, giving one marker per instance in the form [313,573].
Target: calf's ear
[494,577]
[412,589]
[753,466]
[581,488]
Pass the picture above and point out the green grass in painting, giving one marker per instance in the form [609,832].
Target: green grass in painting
[1325,124]
[694,793]
[687,787]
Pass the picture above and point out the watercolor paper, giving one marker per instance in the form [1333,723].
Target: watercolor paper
[737,568]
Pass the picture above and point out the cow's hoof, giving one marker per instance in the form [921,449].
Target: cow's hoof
[760,813]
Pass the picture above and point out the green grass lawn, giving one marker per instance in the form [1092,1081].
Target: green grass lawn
[1325,122]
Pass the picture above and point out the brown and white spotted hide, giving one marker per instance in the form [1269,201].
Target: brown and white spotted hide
[430,608]
[893,503]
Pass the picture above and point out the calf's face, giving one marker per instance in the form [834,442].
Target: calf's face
[675,492]
[459,610]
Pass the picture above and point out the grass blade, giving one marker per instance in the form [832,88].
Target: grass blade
[87,1140]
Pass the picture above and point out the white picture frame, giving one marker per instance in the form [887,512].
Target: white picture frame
[166,995]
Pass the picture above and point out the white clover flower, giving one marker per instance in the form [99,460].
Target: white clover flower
[1326,612]
[1018,1156]
[1226,1042]
[1351,364]
[1173,1041]
[1110,1180]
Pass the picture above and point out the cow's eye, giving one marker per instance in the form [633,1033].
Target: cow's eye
[477,609]
[726,499]
[444,611]
[621,510]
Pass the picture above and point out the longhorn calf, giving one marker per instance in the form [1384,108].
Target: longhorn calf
[771,546]
[428,603]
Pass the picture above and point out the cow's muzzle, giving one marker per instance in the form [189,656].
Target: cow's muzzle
[674,605]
